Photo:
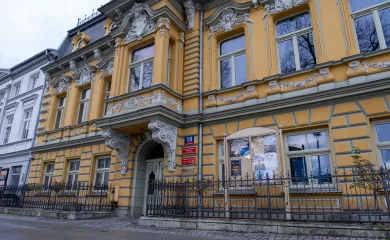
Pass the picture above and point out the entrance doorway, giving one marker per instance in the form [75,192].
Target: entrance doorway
[149,167]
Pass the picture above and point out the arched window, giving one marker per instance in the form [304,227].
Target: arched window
[295,43]
[232,59]
[141,68]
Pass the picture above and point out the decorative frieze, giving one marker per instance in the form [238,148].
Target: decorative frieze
[248,93]
[384,65]
[189,7]
[229,18]
[85,75]
[78,131]
[163,25]
[166,135]
[298,84]
[278,6]
[178,104]
[140,22]
[119,142]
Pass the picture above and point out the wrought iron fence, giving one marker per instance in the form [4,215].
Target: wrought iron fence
[343,197]
[80,197]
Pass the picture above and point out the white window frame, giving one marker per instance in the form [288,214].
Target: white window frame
[374,10]
[15,174]
[6,126]
[84,102]
[16,91]
[104,171]
[294,36]
[137,64]
[72,173]
[230,56]
[26,123]
[379,145]
[34,81]
[62,109]
[49,175]
[307,154]
[221,159]
[107,96]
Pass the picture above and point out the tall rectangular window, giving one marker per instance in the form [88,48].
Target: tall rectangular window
[382,141]
[48,174]
[2,96]
[16,89]
[141,68]
[108,90]
[233,62]
[83,108]
[102,171]
[26,123]
[15,175]
[34,81]
[295,43]
[73,172]
[60,112]
[221,159]
[309,157]
[8,128]
[372,24]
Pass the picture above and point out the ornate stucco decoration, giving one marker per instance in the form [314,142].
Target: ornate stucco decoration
[106,66]
[178,104]
[78,131]
[354,65]
[255,3]
[163,25]
[140,22]
[98,55]
[182,40]
[229,18]
[117,45]
[278,6]
[47,81]
[133,103]
[85,75]
[247,94]
[73,66]
[249,90]
[384,65]
[298,84]
[119,142]
[189,7]
[61,84]
[166,135]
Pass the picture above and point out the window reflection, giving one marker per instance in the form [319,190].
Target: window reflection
[366,34]
[297,143]
[317,140]
[240,67]
[357,5]
[384,16]
[321,168]
[146,52]
[293,24]
[307,53]
[141,68]
[226,73]
[385,153]
[286,57]
[383,132]
[232,45]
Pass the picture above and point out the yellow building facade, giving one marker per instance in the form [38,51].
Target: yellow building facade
[137,87]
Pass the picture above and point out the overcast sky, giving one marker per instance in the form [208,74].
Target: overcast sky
[30,26]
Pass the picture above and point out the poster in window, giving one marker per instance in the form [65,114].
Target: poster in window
[240,148]
[265,159]
[236,168]
[258,145]
[3,176]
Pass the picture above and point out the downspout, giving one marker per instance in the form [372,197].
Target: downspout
[200,140]
[37,121]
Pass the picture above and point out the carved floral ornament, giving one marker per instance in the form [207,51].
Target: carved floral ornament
[229,18]
[163,25]
[61,84]
[366,65]
[119,142]
[248,93]
[278,6]
[166,135]
[85,75]
[140,22]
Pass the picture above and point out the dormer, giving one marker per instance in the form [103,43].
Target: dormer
[80,40]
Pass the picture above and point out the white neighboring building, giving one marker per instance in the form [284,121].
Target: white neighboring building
[21,90]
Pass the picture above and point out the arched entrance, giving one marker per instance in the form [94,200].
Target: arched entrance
[149,166]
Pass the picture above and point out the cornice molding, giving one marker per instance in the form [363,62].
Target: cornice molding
[25,94]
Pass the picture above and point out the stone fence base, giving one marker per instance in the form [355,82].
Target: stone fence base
[55,214]
[280,227]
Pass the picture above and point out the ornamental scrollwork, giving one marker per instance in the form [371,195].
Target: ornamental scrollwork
[141,22]
[189,8]
[119,142]
[384,65]
[106,66]
[299,84]
[98,55]
[166,135]
[61,84]
[354,65]
[220,100]
[85,75]
[278,6]
[229,18]
[178,104]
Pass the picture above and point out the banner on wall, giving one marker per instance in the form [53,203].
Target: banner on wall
[265,157]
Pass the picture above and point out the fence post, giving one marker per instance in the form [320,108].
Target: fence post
[77,196]
[268,198]
[385,188]
[226,196]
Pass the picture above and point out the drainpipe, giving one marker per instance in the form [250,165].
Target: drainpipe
[200,141]
[37,121]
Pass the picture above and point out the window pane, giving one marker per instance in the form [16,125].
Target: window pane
[61,102]
[357,5]
[366,34]
[47,180]
[15,179]
[317,140]
[297,143]
[226,73]
[385,153]
[58,120]
[70,179]
[286,57]
[384,15]
[99,178]
[233,44]
[240,67]
[321,168]
[148,75]
[298,169]
[383,132]
[49,168]
[81,113]
[143,53]
[108,161]
[135,78]
[307,53]
[17,170]
[105,179]
[293,24]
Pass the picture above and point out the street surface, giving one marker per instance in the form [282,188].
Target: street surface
[29,228]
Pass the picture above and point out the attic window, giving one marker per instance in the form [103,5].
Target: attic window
[112,26]
[79,43]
